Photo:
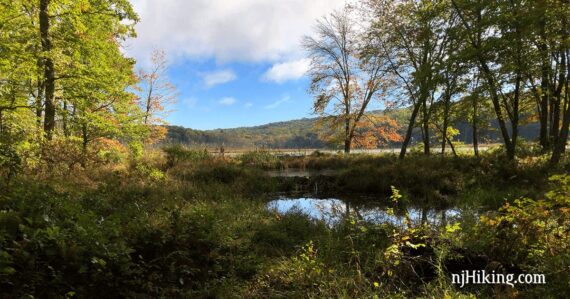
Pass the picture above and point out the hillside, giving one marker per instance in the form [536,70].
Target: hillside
[301,133]
[289,134]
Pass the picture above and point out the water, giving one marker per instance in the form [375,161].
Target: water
[333,210]
[296,172]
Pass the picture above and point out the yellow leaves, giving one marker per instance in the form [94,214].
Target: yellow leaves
[487,220]
[452,228]
[415,246]
[84,6]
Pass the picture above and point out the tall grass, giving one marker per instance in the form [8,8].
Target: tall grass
[196,226]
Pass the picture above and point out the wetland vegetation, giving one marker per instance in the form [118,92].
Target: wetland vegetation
[207,226]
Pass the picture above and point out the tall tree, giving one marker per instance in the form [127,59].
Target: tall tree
[49,68]
[343,77]
[156,92]
[496,32]
[414,35]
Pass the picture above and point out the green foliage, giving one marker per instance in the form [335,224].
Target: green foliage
[10,161]
[531,234]
[201,233]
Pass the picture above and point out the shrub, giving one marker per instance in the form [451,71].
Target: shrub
[10,162]
[177,153]
[531,235]
[260,158]
[110,150]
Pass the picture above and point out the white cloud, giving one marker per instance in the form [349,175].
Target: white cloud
[286,71]
[278,103]
[228,101]
[218,77]
[227,30]
[248,105]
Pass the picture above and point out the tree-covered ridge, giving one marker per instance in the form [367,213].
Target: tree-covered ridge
[304,134]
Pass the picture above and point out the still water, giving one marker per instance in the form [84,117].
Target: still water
[333,210]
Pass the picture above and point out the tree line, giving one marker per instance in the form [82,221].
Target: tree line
[446,60]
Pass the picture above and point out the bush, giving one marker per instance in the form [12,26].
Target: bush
[260,158]
[177,153]
[10,162]
[531,236]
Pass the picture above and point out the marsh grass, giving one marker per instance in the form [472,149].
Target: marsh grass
[199,228]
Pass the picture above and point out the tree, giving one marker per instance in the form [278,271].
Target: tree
[49,68]
[61,65]
[375,131]
[414,36]
[344,78]
[156,92]
[495,31]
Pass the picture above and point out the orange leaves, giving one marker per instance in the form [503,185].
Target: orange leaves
[374,131]
[157,133]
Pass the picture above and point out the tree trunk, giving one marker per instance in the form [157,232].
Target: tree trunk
[426,136]
[515,116]
[410,130]
[347,137]
[544,86]
[85,142]
[39,97]
[445,124]
[424,216]
[510,146]
[557,100]
[475,140]
[474,121]
[555,125]
[148,102]
[425,117]
[49,71]
[65,116]
[347,145]
[452,147]
[560,145]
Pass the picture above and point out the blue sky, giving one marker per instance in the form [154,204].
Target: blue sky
[234,62]
[246,99]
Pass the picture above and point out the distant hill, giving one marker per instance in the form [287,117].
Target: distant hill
[301,134]
[298,133]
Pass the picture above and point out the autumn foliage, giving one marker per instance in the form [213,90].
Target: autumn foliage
[375,131]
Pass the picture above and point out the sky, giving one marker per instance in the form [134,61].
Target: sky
[234,62]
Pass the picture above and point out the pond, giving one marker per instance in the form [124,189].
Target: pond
[298,172]
[333,210]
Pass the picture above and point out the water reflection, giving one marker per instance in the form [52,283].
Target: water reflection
[297,172]
[332,210]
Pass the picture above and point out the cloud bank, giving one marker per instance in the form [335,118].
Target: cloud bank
[227,30]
